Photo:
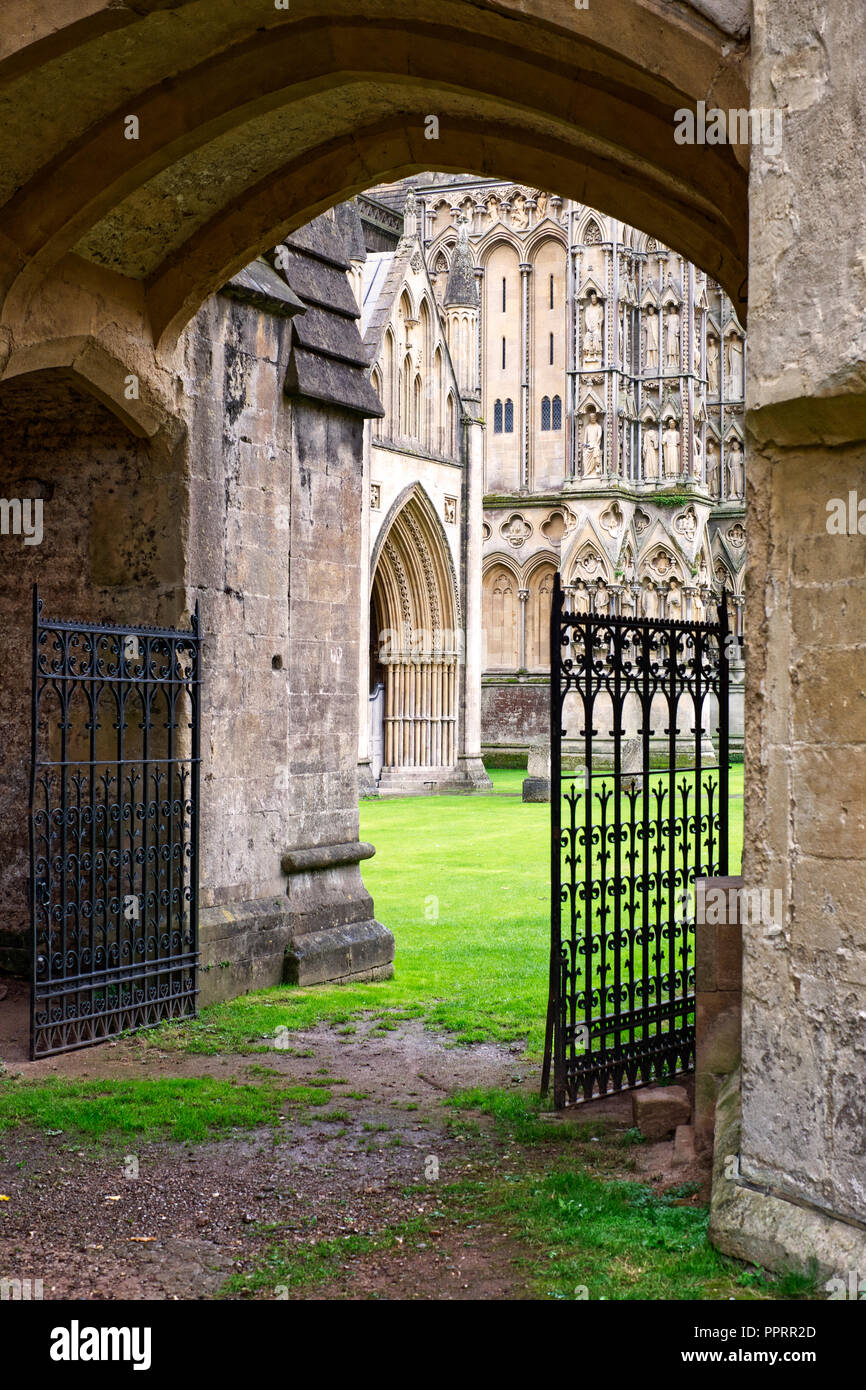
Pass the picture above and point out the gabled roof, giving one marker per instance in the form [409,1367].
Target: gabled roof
[380,294]
[328,361]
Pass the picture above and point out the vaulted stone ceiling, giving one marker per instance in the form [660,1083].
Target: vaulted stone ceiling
[251,119]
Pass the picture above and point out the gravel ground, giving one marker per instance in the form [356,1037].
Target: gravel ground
[194,1215]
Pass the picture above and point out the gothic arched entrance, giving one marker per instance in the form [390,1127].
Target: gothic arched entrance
[415,648]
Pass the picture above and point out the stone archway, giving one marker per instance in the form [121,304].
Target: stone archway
[111,189]
[416,646]
[109,500]
[149,151]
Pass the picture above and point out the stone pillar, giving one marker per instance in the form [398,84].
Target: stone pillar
[366,781]
[525,405]
[737,704]
[275,558]
[718,996]
[523,595]
[470,752]
[801,1192]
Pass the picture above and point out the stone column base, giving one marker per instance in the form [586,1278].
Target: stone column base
[322,930]
[767,1227]
[473,772]
[536,789]
[256,945]
[367,785]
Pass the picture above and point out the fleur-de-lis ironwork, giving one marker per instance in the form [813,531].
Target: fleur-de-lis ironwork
[636,702]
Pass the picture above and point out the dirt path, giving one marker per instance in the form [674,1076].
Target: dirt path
[170,1220]
[195,1214]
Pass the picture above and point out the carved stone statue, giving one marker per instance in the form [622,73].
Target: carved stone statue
[671,450]
[650,456]
[592,437]
[652,337]
[593,320]
[410,215]
[672,340]
[519,216]
[735,365]
[736,470]
[713,365]
[602,599]
[698,458]
[541,202]
[714,476]
[492,208]
[674,603]
[648,600]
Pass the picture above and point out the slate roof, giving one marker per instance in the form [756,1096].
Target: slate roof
[261,285]
[328,361]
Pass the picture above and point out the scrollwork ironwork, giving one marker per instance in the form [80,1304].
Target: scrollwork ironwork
[114,815]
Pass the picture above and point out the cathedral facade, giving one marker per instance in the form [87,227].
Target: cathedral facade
[422,527]
[595,381]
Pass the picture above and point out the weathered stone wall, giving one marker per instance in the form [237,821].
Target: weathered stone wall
[275,559]
[240,465]
[112,549]
[718,998]
[513,712]
[804,1032]
[803,1144]
[250,503]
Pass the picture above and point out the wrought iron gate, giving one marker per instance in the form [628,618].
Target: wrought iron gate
[114,820]
[639,811]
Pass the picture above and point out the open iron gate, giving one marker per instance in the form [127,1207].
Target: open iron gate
[114,823]
[639,811]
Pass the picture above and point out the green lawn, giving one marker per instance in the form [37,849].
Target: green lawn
[188,1108]
[462,881]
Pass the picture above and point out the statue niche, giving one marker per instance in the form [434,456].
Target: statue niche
[670,450]
[593,327]
[650,450]
[672,341]
[592,447]
[736,470]
[651,338]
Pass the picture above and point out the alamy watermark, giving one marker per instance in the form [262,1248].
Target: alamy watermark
[846,516]
[847,1286]
[22,516]
[21,1290]
[718,907]
[753,125]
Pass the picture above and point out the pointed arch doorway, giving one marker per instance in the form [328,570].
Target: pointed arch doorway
[415,651]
